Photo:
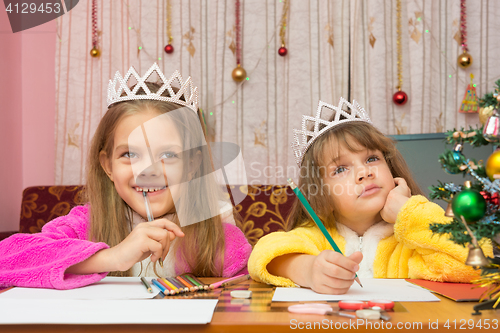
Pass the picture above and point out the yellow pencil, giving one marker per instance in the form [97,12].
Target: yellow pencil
[168,283]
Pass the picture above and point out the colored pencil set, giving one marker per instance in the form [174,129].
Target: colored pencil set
[189,283]
[180,284]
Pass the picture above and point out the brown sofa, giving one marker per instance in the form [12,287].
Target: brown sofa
[265,208]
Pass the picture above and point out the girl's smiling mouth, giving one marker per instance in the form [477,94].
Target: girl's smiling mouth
[151,190]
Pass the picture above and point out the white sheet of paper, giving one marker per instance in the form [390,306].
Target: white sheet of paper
[66,311]
[108,288]
[397,290]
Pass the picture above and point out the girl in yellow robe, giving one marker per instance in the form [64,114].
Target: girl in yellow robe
[362,189]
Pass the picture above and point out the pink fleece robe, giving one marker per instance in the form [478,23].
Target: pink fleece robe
[40,260]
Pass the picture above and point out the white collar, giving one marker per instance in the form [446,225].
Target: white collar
[369,242]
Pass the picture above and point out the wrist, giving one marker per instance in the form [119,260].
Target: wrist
[99,262]
[304,270]
[294,266]
[110,262]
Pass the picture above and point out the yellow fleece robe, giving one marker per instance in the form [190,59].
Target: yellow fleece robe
[410,251]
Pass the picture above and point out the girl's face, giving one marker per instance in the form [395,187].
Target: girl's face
[358,184]
[131,153]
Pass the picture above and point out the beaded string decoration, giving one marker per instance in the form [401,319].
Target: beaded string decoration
[464,60]
[95,52]
[169,48]
[400,97]
[282,51]
[239,73]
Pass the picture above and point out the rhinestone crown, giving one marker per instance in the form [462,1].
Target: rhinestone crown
[118,86]
[304,138]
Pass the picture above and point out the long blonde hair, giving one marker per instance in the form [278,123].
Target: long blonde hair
[202,247]
[313,167]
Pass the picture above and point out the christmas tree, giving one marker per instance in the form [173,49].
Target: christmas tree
[475,205]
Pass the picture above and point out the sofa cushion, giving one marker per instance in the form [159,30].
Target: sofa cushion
[42,204]
[264,209]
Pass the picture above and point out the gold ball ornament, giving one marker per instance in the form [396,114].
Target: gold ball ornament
[239,74]
[493,165]
[95,52]
[485,113]
[498,98]
[464,60]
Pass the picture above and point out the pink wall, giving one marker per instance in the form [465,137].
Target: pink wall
[27,111]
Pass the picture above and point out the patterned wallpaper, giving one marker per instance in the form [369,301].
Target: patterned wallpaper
[335,48]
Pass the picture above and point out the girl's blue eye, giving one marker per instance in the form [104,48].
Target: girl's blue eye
[129,154]
[339,169]
[168,155]
[373,158]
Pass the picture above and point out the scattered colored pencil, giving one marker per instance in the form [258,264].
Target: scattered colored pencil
[177,284]
[196,288]
[228,282]
[168,290]
[198,285]
[161,287]
[186,289]
[187,284]
[205,286]
[235,281]
[173,287]
[146,284]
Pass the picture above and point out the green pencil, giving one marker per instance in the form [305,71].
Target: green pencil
[316,220]
[146,284]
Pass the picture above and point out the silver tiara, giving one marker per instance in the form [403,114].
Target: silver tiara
[304,138]
[118,86]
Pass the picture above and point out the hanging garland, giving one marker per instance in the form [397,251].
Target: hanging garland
[282,51]
[239,73]
[464,60]
[169,47]
[400,97]
[95,52]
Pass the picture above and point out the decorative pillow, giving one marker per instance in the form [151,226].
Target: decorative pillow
[42,204]
[265,209]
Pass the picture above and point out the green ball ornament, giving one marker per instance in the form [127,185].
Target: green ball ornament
[469,204]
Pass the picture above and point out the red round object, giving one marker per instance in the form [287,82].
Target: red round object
[381,303]
[492,198]
[169,48]
[282,51]
[352,305]
[400,97]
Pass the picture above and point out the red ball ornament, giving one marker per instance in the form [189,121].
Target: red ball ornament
[400,97]
[282,51]
[491,198]
[169,48]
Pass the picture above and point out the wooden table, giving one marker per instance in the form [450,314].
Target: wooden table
[260,315]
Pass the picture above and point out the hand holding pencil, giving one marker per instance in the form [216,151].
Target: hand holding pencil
[335,270]
[146,239]
[332,273]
